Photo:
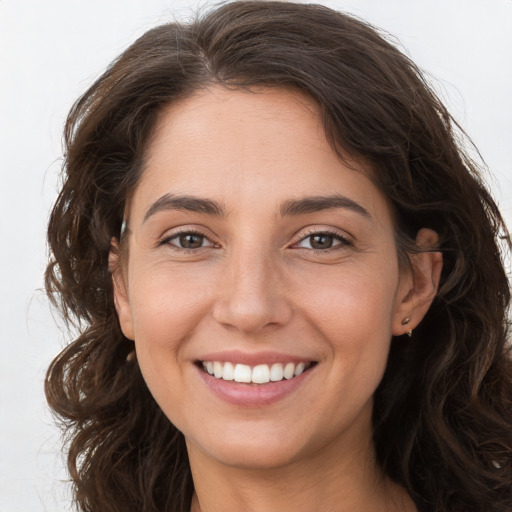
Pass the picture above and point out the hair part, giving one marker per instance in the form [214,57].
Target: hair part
[442,414]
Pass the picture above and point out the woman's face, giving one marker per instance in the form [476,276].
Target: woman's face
[252,244]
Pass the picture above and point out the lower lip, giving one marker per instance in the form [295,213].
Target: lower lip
[252,395]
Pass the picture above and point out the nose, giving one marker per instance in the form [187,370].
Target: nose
[251,295]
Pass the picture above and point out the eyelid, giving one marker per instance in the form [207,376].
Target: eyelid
[181,230]
[344,238]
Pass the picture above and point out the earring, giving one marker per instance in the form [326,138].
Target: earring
[130,358]
[405,321]
[123,229]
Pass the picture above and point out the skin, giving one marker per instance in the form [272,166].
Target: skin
[255,283]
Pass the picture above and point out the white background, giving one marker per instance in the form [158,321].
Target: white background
[50,51]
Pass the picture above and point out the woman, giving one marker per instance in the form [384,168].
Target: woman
[286,277]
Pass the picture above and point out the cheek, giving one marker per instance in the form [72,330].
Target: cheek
[356,298]
[353,313]
[166,310]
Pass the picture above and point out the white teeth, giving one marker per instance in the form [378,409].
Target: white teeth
[217,369]
[229,372]
[299,369]
[242,373]
[288,371]
[260,374]
[276,372]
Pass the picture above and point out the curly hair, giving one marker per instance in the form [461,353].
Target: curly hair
[442,413]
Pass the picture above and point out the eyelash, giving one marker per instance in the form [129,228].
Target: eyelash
[167,240]
[344,241]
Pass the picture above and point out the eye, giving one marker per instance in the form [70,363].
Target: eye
[321,241]
[188,240]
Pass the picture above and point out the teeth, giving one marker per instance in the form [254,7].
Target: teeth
[299,369]
[260,374]
[228,372]
[288,371]
[276,372]
[217,369]
[242,373]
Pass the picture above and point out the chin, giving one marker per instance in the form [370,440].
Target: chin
[256,452]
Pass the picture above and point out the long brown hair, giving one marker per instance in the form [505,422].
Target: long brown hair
[442,414]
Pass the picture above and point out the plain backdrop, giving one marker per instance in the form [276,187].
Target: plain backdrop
[50,51]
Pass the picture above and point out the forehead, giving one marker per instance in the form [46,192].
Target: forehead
[254,147]
[239,127]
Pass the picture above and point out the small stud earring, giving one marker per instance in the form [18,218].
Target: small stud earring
[405,321]
[123,229]
[130,357]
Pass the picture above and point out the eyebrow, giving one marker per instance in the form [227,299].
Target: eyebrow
[291,207]
[319,203]
[187,203]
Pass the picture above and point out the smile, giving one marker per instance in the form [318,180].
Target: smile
[260,374]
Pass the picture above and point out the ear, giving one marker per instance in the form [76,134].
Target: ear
[121,300]
[419,284]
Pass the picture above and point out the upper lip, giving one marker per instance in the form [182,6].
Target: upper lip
[253,358]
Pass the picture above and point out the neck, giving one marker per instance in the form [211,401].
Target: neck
[334,481]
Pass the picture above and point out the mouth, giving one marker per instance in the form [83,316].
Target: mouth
[259,374]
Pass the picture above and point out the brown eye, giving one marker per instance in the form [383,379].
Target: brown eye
[190,240]
[187,241]
[321,241]
[324,241]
